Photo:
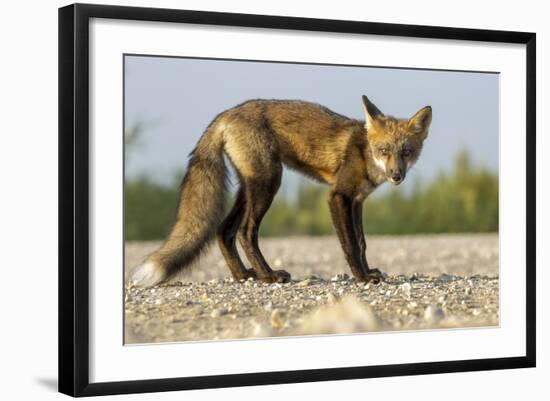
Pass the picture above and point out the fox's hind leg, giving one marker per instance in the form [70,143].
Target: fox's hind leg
[259,193]
[227,234]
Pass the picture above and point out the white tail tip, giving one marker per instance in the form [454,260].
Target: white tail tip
[147,275]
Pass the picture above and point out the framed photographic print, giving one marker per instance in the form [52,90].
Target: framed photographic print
[250,199]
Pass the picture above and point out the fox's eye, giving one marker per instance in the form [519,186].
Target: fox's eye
[407,152]
[384,151]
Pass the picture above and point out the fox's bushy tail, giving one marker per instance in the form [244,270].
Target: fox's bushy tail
[199,213]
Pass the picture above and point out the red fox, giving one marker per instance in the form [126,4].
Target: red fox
[260,136]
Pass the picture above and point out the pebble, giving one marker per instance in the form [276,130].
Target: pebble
[314,277]
[260,330]
[434,314]
[304,283]
[217,313]
[339,277]
[278,319]
[406,289]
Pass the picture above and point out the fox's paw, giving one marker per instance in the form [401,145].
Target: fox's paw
[277,276]
[147,275]
[374,276]
[246,274]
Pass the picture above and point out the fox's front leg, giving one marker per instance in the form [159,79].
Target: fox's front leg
[374,275]
[341,210]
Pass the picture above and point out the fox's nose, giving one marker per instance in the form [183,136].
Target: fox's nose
[396,177]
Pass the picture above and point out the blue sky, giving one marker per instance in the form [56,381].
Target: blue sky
[176,98]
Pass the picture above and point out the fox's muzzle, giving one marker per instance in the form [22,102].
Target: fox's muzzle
[396,177]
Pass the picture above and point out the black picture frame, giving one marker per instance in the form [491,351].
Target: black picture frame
[74,198]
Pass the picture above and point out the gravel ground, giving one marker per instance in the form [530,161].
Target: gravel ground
[433,281]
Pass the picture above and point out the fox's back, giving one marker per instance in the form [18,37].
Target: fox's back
[306,136]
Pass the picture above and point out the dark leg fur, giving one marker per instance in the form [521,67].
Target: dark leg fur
[341,212]
[357,216]
[259,195]
[227,235]
[358,227]
[341,209]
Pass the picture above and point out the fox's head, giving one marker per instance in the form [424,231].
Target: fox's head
[395,143]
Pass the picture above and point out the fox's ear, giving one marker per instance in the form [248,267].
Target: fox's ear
[420,122]
[371,112]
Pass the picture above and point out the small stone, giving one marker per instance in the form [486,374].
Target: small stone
[446,277]
[158,301]
[406,289]
[278,319]
[331,298]
[260,330]
[314,277]
[217,313]
[434,314]
[304,283]
[339,277]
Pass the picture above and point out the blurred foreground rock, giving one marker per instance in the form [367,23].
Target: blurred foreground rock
[348,315]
